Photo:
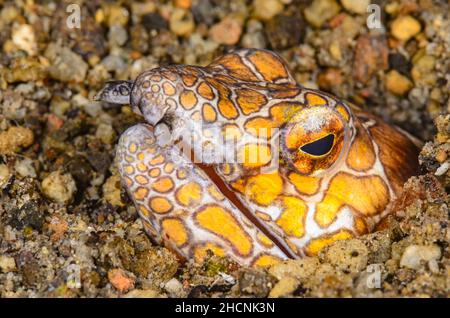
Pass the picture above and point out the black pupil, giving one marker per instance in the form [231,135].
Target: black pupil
[319,147]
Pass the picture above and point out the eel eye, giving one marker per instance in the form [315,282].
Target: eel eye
[319,147]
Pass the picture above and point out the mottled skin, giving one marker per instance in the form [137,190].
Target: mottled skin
[333,177]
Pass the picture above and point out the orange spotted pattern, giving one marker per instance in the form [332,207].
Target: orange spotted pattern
[337,169]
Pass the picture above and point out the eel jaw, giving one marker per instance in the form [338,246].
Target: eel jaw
[116,92]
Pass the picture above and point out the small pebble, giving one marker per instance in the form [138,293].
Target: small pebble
[111,191]
[7,263]
[116,14]
[62,61]
[5,175]
[285,31]
[321,11]
[414,255]
[443,168]
[356,6]
[254,36]
[397,83]
[154,21]
[174,287]
[117,35]
[441,156]
[59,187]
[182,22]
[24,38]
[58,226]
[405,27]
[25,168]
[105,133]
[14,138]
[285,287]
[120,280]
[266,9]
[330,78]
[423,72]
[228,31]
[347,255]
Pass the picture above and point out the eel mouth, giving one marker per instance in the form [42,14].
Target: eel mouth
[238,203]
[116,92]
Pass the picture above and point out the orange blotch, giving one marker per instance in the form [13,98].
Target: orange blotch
[361,155]
[270,66]
[169,167]
[141,179]
[188,80]
[181,173]
[284,92]
[141,167]
[222,223]
[341,109]
[160,205]
[129,158]
[315,99]
[367,195]
[209,113]
[141,156]
[227,109]
[263,216]
[175,231]
[157,160]
[292,219]
[132,147]
[155,172]
[305,184]
[215,193]
[360,226]
[155,88]
[144,212]
[315,245]
[140,193]
[169,89]
[264,240]
[266,260]
[188,99]
[128,181]
[263,188]
[205,91]
[128,169]
[189,194]
[163,185]
[255,155]
[235,67]
[260,127]
[155,78]
[284,111]
[171,76]
[249,100]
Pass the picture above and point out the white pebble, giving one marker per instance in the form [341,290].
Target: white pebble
[7,263]
[59,187]
[414,255]
[25,168]
[174,287]
[442,169]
